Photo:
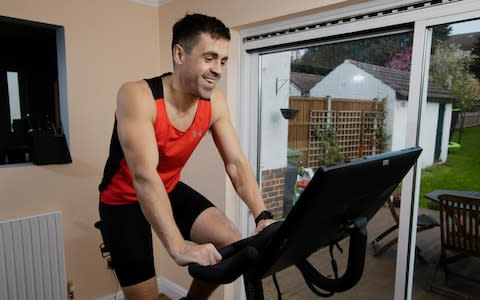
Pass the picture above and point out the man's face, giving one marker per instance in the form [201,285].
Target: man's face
[203,66]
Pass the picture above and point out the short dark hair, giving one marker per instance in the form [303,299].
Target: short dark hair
[187,30]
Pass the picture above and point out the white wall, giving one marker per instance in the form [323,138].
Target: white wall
[398,140]
[294,91]
[350,82]
[275,90]
[446,132]
[428,133]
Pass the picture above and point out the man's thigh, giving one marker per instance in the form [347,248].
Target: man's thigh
[199,220]
[212,226]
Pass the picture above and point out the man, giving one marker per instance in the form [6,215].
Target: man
[158,123]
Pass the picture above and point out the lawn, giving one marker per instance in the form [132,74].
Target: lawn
[460,172]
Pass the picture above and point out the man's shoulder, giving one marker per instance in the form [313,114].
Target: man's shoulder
[219,105]
[134,88]
[135,96]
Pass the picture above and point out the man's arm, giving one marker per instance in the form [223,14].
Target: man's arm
[236,164]
[135,116]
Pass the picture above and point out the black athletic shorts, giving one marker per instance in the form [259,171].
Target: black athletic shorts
[128,237]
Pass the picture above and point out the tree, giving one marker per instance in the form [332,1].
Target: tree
[380,51]
[401,61]
[450,68]
[376,51]
[475,65]
[440,33]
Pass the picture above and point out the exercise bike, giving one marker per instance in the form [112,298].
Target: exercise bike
[337,203]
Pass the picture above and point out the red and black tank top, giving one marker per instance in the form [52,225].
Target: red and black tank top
[174,146]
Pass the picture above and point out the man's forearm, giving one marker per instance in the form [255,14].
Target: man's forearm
[156,207]
[243,180]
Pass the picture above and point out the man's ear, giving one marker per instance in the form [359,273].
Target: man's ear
[178,54]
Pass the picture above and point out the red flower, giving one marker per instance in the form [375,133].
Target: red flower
[303,183]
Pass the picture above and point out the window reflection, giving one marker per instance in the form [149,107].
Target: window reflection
[13,96]
[350,101]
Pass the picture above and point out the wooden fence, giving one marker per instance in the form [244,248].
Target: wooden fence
[344,129]
[469,119]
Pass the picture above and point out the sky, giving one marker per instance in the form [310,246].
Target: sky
[465,27]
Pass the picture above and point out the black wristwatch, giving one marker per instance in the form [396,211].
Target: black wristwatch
[264,215]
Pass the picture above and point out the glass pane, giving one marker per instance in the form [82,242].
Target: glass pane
[13,96]
[451,159]
[322,105]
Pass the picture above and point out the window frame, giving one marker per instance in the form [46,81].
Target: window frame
[54,148]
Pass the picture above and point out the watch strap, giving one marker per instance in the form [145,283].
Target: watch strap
[264,215]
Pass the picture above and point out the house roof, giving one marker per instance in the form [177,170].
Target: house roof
[400,81]
[304,82]
[466,41]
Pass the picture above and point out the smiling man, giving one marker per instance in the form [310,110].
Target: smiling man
[158,124]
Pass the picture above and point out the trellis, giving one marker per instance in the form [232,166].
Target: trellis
[343,134]
[357,124]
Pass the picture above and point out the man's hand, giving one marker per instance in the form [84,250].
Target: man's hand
[204,254]
[262,224]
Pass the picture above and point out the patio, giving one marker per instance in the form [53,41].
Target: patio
[378,280]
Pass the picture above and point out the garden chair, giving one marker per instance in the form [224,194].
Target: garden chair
[459,230]
[424,222]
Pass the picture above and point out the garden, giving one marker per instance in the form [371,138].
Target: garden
[461,171]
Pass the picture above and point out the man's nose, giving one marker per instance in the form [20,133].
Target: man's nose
[217,68]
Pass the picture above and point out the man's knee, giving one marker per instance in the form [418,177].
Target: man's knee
[143,290]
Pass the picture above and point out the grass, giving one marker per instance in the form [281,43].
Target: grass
[460,172]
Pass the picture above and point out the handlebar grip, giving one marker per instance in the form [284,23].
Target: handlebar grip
[227,270]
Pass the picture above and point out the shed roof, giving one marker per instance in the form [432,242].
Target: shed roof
[400,81]
[304,81]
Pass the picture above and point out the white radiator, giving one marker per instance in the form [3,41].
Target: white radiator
[32,259]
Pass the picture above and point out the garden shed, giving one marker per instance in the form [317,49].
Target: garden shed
[357,80]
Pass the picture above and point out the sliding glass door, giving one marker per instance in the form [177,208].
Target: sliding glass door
[350,90]
[325,104]
[450,136]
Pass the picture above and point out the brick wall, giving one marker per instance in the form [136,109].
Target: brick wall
[273,182]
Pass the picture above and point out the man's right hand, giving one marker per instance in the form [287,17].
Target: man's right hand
[204,254]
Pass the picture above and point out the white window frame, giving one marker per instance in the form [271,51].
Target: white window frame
[248,121]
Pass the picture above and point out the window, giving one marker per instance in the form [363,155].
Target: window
[454,134]
[32,93]
[350,99]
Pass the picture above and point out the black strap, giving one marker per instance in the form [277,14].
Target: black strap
[264,215]
[156,85]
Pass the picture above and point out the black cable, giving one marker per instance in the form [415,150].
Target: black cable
[315,290]
[279,293]
[118,284]
[332,258]
[107,257]
[104,251]
[313,287]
